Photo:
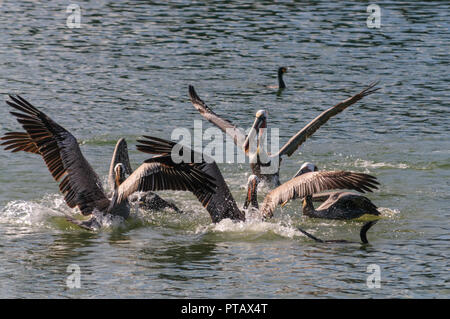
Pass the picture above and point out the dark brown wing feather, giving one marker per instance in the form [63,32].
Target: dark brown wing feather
[19,141]
[293,144]
[315,182]
[226,126]
[221,204]
[161,173]
[79,183]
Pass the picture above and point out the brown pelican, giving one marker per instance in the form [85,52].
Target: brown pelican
[308,183]
[146,200]
[259,158]
[222,204]
[252,200]
[337,205]
[80,184]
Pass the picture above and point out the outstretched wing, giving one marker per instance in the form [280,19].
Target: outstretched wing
[19,141]
[236,134]
[161,173]
[315,182]
[120,155]
[79,183]
[221,204]
[293,144]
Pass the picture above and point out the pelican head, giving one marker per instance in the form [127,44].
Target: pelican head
[252,191]
[305,168]
[260,122]
[119,172]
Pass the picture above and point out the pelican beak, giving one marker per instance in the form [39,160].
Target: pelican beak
[120,174]
[300,172]
[260,122]
[251,194]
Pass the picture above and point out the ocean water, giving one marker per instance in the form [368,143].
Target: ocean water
[125,72]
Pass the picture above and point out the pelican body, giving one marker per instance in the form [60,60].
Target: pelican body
[79,183]
[252,144]
[145,200]
[340,205]
[222,204]
[337,205]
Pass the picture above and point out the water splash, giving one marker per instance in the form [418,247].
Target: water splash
[252,226]
[371,164]
[388,212]
[33,213]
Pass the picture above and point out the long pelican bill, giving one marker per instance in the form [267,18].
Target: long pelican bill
[120,155]
[260,122]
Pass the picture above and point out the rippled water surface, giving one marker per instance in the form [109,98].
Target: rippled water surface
[125,72]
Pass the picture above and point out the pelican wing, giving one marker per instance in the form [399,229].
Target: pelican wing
[59,148]
[19,141]
[120,155]
[161,173]
[221,204]
[293,144]
[236,134]
[315,182]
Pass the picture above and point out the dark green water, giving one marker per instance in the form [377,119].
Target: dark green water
[125,72]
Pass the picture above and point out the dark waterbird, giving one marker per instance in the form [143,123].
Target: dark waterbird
[79,183]
[362,235]
[259,158]
[281,85]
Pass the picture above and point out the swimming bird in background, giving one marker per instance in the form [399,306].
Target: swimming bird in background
[222,204]
[145,200]
[79,183]
[337,205]
[263,164]
[281,85]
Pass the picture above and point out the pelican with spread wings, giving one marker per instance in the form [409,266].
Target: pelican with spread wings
[145,200]
[259,158]
[79,183]
[222,204]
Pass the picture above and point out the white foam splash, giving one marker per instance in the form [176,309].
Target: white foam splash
[32,213]
[388,212]
[251,226]
[372,164]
